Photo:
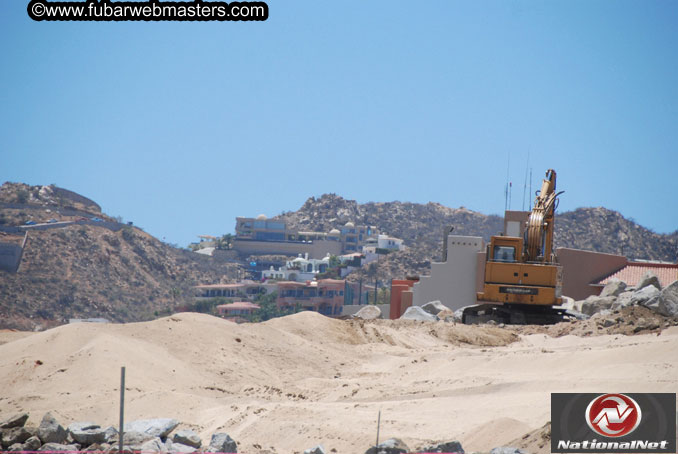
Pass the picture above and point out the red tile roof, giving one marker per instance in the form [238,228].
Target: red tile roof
[634,271]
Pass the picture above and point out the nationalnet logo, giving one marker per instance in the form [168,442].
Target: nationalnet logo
[613,423]
[613,415]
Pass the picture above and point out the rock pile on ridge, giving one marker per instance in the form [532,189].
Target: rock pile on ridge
[617,295]
[148,435]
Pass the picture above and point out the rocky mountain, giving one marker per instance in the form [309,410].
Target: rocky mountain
[91,271]
[603,230]
[421,227]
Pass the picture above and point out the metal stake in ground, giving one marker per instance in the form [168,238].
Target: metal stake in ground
[122,409]
[378,423]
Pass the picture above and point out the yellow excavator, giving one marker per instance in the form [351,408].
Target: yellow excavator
[523,281]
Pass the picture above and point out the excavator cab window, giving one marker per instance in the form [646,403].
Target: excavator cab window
[504,254]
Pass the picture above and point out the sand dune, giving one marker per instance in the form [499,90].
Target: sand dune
[290,383]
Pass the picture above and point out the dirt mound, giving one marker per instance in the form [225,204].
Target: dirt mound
[291,383]
[536,441]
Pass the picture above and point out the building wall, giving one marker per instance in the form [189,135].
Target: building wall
[580,268]
[514,223]
[315,250]
[10,256]
[454,282]
[398,287]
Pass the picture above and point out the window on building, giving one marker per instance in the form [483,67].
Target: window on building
[273,225]
[269,236]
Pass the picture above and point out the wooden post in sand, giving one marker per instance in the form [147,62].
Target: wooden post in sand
[122,409]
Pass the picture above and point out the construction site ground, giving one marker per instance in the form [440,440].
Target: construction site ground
[291,383]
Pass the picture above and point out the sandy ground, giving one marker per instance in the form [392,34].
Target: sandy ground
[291,383]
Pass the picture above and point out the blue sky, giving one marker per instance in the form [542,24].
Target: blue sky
[181,127]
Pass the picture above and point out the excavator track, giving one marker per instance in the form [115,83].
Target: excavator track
[513,314]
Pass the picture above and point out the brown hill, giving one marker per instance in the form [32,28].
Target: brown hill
[88,271]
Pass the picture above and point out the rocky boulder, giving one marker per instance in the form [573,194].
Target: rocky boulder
[317,450]
[187,437]
[152,445]
[369,312]
[222,442]
[645,296]
[623,300]
[18,420]
[447,316]
[594,304]
[390,446]
[613,288]
[507,450]
[87,433]
[446,447]
[434,307]
[50,431]
[649,278]
[417,313]
[568,303]
[32,444]
[178,447]
[59,447]
[133,438]
[111,433]
[160,427]
[668,300]
[14,435]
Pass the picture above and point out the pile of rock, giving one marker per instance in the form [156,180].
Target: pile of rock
[397,446]
[617,295]
[429,312]
[142,435]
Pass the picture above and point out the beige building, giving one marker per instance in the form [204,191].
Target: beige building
[455,281]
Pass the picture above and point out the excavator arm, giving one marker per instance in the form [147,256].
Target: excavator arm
[539,231]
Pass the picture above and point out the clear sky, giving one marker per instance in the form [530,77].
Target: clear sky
[181,127]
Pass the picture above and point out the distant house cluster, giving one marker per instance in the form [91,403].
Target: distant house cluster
[263,236]
[325,296]
[298,281]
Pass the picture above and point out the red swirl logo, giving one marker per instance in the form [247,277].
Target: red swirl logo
[613,415]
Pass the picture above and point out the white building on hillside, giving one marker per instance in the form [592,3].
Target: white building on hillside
[301,269]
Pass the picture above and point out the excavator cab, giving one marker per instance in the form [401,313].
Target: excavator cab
[505,249]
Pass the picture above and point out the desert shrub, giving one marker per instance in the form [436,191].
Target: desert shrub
[22,196]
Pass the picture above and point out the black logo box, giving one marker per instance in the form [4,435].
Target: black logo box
[658,422]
